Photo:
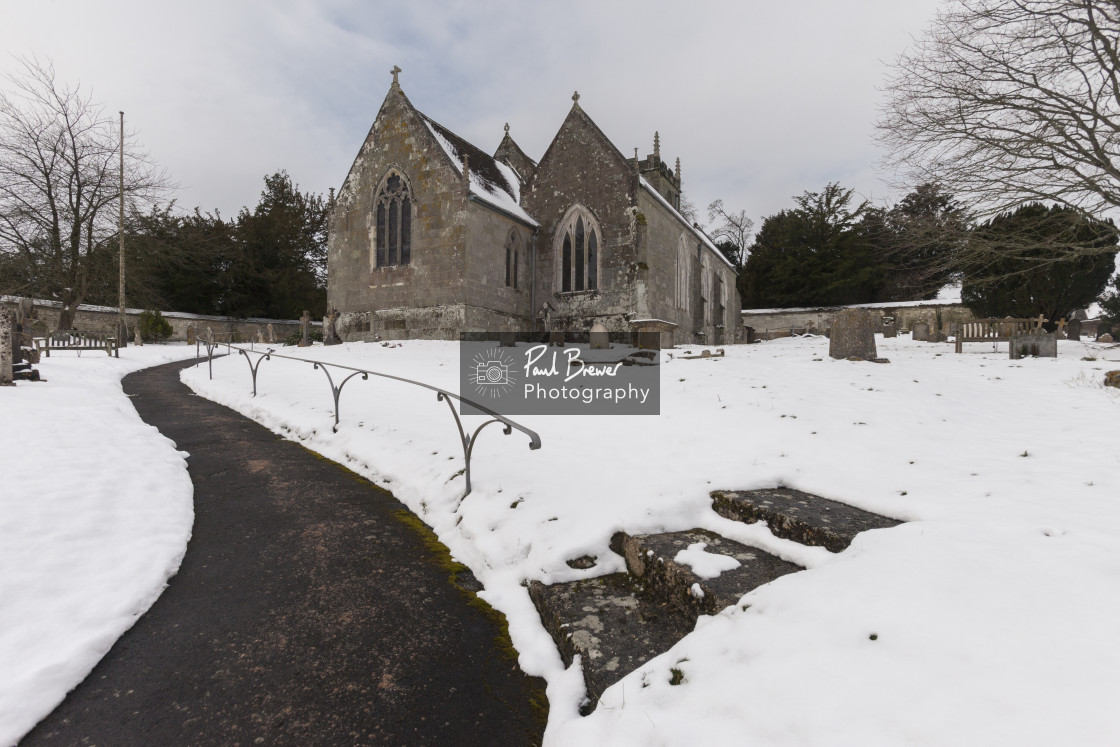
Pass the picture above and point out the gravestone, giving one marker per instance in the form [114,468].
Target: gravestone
[1073,330]
[600,338]
[271,333]
[7,349]
[136,329]
[1106,337]
[305,329]
[920,331]
[889,330]
[1036,344]
[330,328]
[209,336]
[852,336]
[260,335]
[192,336]
[749,335]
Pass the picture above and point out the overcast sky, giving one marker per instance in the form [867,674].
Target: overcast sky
[760,100]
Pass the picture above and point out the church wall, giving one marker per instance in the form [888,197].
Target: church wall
[581,168]
[663,232]
[483,283]
[399,139]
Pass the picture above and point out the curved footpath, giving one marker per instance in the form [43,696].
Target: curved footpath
[308,610]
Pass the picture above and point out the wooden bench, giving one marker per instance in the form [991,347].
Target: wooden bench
[995,330]
[74,340]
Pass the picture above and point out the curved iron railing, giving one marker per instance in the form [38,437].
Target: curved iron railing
[442,395]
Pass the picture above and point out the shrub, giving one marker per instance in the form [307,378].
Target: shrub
[153,327]
[315,335]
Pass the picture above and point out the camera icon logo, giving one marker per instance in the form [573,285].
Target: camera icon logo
[493,373]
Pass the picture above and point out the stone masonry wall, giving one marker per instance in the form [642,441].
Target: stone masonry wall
[663,235]
[820,320]
[103,321]
[400,140]
[582,167]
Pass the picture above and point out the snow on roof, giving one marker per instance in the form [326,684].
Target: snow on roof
[699,234]
[491,181]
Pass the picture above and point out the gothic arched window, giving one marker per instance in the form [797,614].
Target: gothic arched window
[513,252]
[577,239]
[683,275]
[394,223]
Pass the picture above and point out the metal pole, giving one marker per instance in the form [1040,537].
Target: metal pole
[122,328]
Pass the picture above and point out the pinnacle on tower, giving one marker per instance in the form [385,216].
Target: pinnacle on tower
[677,171]
[657,145]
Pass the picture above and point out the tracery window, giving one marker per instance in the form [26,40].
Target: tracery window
[578,240]
[705,290]
[394,223]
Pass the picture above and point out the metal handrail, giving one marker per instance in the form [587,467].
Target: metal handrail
[442,395]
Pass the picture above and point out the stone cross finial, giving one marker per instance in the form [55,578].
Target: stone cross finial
[507,127]
[395,71]
[657,145]
[575,97]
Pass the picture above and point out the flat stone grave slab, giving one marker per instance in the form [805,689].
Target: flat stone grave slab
[613,630]
[651,559]
[798,516]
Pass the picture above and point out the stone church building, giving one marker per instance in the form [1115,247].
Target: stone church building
[430,236]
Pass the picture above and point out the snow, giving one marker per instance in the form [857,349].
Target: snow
[95,514]
[988,618]
[703,563]
[485,190]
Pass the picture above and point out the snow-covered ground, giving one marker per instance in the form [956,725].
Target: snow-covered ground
[994,609]
[95,514]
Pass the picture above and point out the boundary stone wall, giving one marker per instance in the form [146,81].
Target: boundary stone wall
[103,320]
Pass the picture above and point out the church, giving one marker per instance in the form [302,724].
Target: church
[429,236]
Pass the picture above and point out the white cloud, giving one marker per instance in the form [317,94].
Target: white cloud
[759,100]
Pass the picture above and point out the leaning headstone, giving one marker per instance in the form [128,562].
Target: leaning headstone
[600,338]
[192,336]
[852,336]
[305,329]
[920,331]
[1073,330]
[1036,344]
[6,347]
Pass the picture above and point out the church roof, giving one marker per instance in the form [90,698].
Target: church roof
[491,181]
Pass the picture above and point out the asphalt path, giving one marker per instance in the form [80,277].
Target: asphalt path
[310,608]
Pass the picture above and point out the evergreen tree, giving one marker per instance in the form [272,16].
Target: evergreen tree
[279,266]
[819,253]
[1042,280]
[919,243]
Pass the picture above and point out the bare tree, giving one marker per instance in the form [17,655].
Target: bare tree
[59,188]
[1005,102]
[730,231]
